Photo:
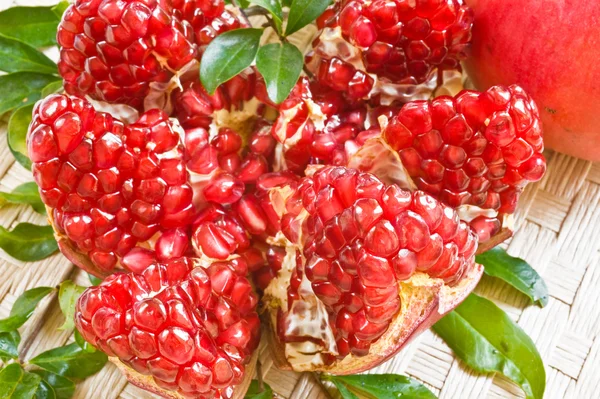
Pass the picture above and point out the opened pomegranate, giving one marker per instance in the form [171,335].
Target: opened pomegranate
[135,52]
[356,206]
[181,329]
[384,49]
[365,266]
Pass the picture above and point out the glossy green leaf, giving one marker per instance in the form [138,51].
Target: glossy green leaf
[63,387]
[83,344]
[256,392]
[280,65]
[16,56]
[382,386]
[9,344]
[18,124]
[21,88]
[488,341]
[35,26]
[303,12]
[274,7]
[60,9]
[23,308]
[26,193]
[94,280]
[516,272]
[343,390]
[239,3]
[52,88]
[44,391]
[227,55]
[68,294]
[28,242]
[71,361]
[16,383]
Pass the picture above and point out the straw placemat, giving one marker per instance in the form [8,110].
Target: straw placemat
[558,233]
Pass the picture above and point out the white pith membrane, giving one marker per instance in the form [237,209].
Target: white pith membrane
[332,44]
[122,112]
[159,93]
[241,120]
[315,114]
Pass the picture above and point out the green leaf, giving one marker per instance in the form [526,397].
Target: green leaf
[63,387]
[94,280]
[280,65]
[28,242]
[26,193]
[18,124]
[487,340]
[382,386]
[303,12]
[52,88]
[23,308]
[256,392]
[16,56]
[17,383]
[83,344]
[274,7]
[60,9]
[516,272]
[68,293]
[345,392]
[71,361]
[21,88]
[9,344]
[227,55]
[44,391]
[35,26]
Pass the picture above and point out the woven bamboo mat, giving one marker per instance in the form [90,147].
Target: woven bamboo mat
[558,233]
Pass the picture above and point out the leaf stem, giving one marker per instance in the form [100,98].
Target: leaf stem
[255,10]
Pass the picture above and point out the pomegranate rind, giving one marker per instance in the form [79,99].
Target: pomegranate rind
[146,382]
[424,301]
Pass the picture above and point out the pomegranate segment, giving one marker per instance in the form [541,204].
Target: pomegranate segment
[130,51]
[370,48]
[190,327]
[359,242]
[475,152]
[110,186]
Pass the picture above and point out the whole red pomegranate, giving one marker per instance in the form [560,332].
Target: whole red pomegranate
[551,49]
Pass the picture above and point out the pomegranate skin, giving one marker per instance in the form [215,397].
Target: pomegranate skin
[554,59]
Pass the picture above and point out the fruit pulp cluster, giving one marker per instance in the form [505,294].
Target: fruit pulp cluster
[352,211]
